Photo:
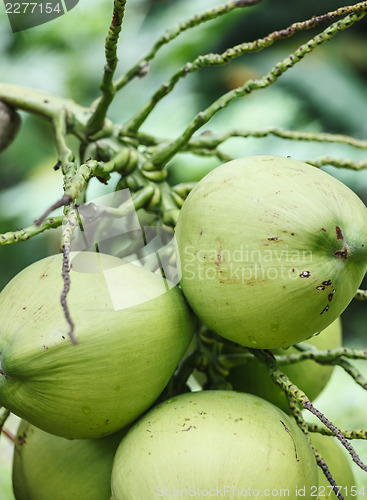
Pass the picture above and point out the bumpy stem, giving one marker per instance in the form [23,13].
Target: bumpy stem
[30,231]
[107,87]
[279,377]
[220,59]
[141,65]
[327,356]
[338,162]
[169,150]
[325,469]
[352,434]
[308,406]
[75,183]
[210,140]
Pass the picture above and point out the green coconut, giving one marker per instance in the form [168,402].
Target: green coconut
[272,250]
[47,466]
[213,443]
[132,329]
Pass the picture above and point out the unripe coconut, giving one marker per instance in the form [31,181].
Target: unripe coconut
[125,354]
[338,464]
[9,125]
[272,250]
[47,466]
[311,377]
[211,441]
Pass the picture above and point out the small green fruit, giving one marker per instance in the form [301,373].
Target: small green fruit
[47,466]
[272,250]
[211,441]
[338,464]
[9,125]
[125,354]
[311,377]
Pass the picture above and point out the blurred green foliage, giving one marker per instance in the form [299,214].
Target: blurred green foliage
[325,92]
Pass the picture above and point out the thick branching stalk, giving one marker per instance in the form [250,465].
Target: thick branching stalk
[169,150]
[107,86]
[45,105]
[219,59]
[30,231]
[140,66]
[75,181]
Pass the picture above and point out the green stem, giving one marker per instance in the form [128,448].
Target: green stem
[353,434]
[327,356]
[168,151]
[76,182]
[278,377]
[66,156]
[338,162]
[30,231]
[107,86]
[209,140]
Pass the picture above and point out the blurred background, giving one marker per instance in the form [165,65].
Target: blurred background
[327,91]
